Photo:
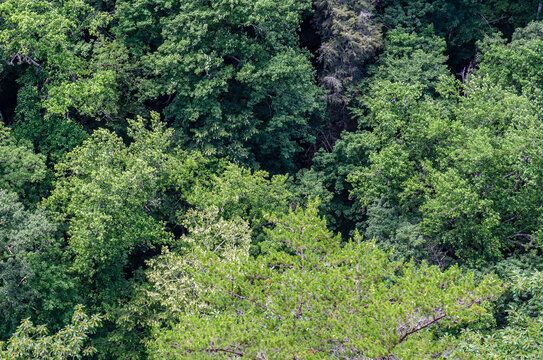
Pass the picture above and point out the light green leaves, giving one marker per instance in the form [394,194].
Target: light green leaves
[463,161]
[522,338]
[33,342]
[309,297]
[109,192]
[56,39]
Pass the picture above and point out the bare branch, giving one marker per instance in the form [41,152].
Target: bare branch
[421,327]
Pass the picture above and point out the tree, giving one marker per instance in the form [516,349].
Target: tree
[33,342]
[511,15]
[227,210]
[410,57]
[522,338]
[310,297]
[464,162]
[53,40]
[514,66]
[327,180]
[350,37]
[119,203]
[407,58]
[22,233]
[460,22]
[458,170]
[239,192]
[160,300]
[20,168]
[113,197]
[391,228]
[234,78]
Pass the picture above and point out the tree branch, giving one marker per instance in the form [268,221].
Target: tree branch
[211,350]
[31,61]
[421,327]
[527,236]
[509,175]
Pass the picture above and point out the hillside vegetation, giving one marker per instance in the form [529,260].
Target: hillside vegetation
[271,179]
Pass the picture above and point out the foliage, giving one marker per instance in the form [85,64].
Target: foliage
[308,296]
[49,36]
[327,180]
[170,272]
[510,15]
[523,337]
[247,90]
[460,22]
[156,299]
[33,342]
[514,66]
[195,234]
[22,232]
[411,57]
[465,161]
[112,196]
[239,192]
[119,203]
[350,37]
[391,229]
[408,58]
[52,137]
[20,167]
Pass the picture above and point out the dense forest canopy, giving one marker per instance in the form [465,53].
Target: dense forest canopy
[271,179]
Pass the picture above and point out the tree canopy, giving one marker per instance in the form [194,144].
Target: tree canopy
[271,179]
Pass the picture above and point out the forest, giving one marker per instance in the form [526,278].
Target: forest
[271,179]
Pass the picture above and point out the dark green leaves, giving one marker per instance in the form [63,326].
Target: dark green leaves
[236,81]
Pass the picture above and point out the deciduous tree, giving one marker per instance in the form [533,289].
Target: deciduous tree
[33,342]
